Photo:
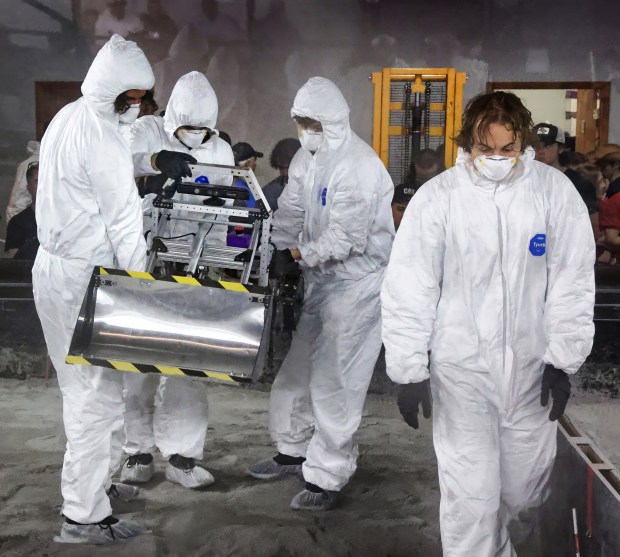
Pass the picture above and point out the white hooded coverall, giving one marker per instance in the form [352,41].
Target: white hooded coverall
[178,425]
[88,213]
[336,210]
[496,279]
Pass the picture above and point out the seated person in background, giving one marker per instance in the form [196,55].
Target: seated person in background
[572,159]
[21,231]
[280,159]
[246,156]
[425,165]
[593,174]
[402,196]
[601,151]
[549,151]
[609,221]
[19,198]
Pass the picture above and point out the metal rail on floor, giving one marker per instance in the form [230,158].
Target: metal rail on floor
[596,496]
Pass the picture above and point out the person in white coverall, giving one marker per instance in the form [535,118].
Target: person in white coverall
[178,423]
[492,273]
[88,213]
[335,218]
[20,198]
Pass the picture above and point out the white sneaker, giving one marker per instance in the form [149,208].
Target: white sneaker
[183,471]
[109,530]
[138,469]
[123,492]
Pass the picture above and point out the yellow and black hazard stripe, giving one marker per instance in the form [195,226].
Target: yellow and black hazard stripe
[226,285]
[159,369]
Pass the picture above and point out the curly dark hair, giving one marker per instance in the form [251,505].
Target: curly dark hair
[498,107]
[121,103]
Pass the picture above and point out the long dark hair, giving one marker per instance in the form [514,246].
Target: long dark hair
[498,107]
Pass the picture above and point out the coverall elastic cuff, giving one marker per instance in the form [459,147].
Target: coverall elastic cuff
[307,257]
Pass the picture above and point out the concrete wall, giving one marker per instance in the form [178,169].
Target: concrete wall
[259,52]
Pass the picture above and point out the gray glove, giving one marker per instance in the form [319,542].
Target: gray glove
[409,398]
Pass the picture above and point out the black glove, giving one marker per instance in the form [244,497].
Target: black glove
[409,398]
[151,184]
[173,164]
[555,381]
[282,263]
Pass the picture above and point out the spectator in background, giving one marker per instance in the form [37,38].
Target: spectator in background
[402,196]
[593,174]
[116,20]
[609,221]
[246,156]
[159,30]
[21,231]
[217,27]
[549,150]
[20,198]
[572,159]
[187,52]
[280,159]
[602,150]
[425,165]
[225,137]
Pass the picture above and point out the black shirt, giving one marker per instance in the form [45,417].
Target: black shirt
[21,234]
[586,189]
[273,190]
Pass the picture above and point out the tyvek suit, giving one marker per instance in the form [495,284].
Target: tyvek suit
[88,213]
[336,210]
[496,279]
[179,424]
[20,198]
[193,103]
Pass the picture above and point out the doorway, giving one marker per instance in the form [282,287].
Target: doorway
[580,108]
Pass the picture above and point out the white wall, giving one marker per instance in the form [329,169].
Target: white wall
[546,105]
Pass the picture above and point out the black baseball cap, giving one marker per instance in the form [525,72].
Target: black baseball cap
[403,193]
[244,151]
[548,134]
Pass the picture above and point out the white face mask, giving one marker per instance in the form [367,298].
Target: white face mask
[311,140]
[191,138]
[130,115]
[494,168]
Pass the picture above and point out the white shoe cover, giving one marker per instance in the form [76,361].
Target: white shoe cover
[137,473]
[123,492]
[192,478]
[270,470]
[310,501]
[98,534]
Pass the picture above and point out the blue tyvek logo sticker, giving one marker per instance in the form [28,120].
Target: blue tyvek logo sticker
[538,244]
[324,197]
[201,180]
